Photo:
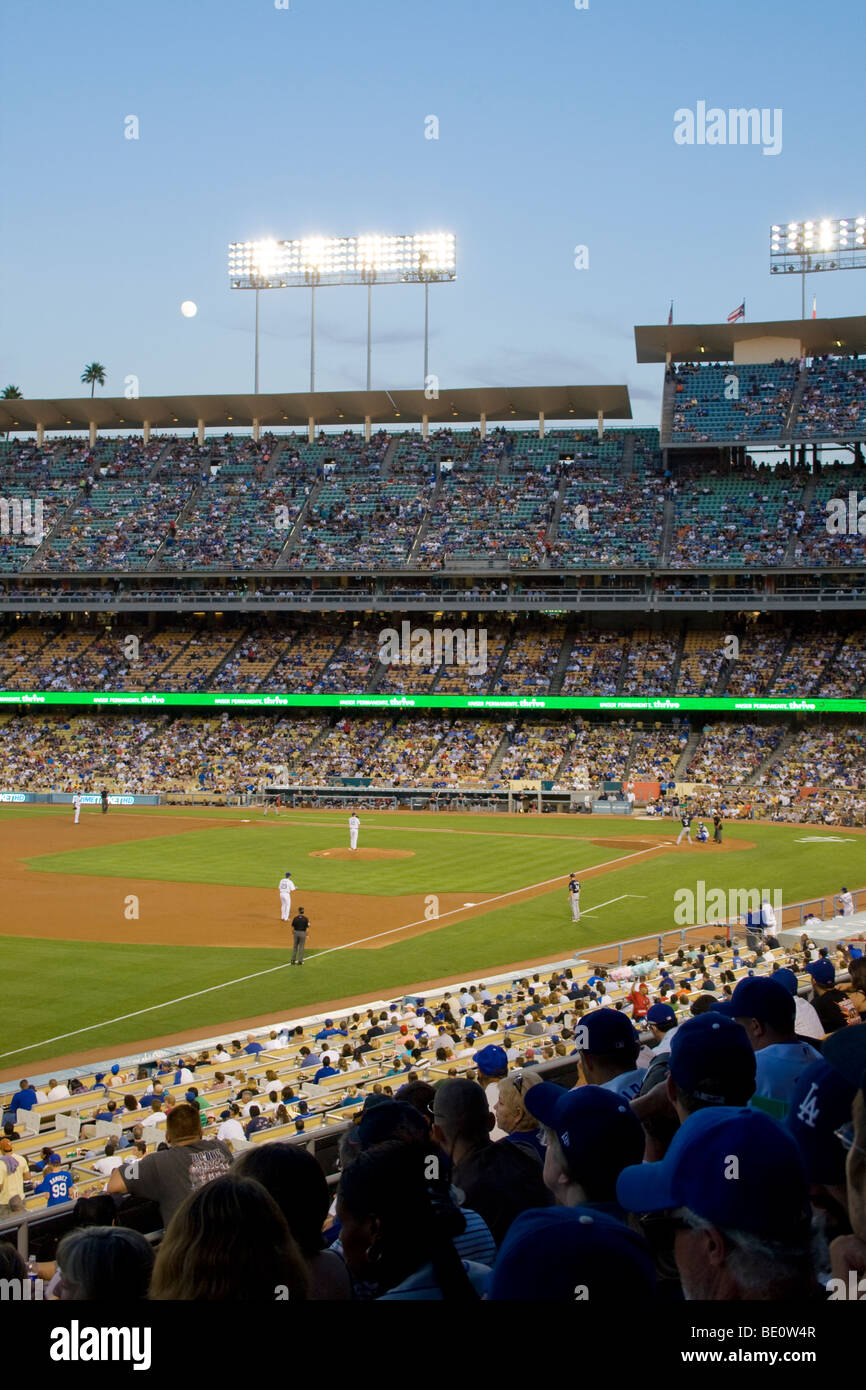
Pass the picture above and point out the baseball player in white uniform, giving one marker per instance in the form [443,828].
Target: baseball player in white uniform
[286,889]
[354,827]
[574,896]
[76,801]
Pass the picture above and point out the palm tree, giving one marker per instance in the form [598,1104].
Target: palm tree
[95,374]
[11,393]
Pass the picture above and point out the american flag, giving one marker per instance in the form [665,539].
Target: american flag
[738,313]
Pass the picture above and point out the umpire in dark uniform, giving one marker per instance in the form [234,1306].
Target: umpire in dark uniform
[300,926]
[717,833]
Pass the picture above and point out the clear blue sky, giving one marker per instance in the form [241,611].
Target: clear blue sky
[556,129]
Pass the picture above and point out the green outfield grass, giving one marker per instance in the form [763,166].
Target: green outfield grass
[56,987]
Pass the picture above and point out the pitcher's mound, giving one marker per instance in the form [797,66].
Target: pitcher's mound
[362,854]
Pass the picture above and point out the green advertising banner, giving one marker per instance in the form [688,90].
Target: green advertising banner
[624,704]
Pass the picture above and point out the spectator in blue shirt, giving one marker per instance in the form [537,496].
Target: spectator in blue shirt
[324,1071]
[253,1047]
[57,1182]
[329,1030]
[24,1098]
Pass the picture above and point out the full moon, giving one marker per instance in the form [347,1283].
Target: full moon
[189,309]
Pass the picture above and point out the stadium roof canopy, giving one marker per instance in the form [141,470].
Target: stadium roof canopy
[298,409]
[729,342]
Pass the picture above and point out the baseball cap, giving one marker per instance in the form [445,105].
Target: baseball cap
[761,998]
[661,1013]
[550,1253]
[114,1069]
[491,1059]
[846,1051]
[711,1059]
[54,1158]
[821,1103]
[823,972]
[736,1167]
[374,1099]
[787,978]
[395,1118]
[604,1031]
[598,1131]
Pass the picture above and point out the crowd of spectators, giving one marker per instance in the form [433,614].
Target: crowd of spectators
[465,1170]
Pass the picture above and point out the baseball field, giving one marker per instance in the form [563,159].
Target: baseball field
[164,923]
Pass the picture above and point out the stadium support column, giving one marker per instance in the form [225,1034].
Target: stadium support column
[40,433]
[200,427]
[92,432]
[601,424]
[311,429]
[257,429]
[145,430]
[541,424]
[425,427]
[367,428]
[483,423]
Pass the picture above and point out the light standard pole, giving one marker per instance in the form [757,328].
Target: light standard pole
[256,378]
[369,276]
[426,275]
[313,277]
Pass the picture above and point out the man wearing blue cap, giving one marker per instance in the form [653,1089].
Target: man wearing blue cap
[492,1064]
[826,998]
[608,1047]
[736,1188]
[564,1255]
[590,1136]
[766,1011]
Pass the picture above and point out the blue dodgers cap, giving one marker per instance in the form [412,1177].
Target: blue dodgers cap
[661,1013]
[598,1131]
[761,998]
[712,1060]
[846,1051]
[553,1254]
[114,1069]
[823,972]
[737,1168]
[605,1031]
[821,1103]
[491,1060]
[786,978]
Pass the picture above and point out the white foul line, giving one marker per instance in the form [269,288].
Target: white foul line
[347,946]
[613,900]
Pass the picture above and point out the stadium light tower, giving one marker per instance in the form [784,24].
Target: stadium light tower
[423,258]
[828,243]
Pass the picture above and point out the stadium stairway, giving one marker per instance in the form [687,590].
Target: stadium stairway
[187,507]
[424,524]
[796,399]
[783,656]
[270,472]
[667,530]
[806,501]
[561,666]
[667,420]
[627,462]
[498,754]
[389,456]
[678,659]
[297,530]
[686,756]
[785,743]
[553,527]
[162,457]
